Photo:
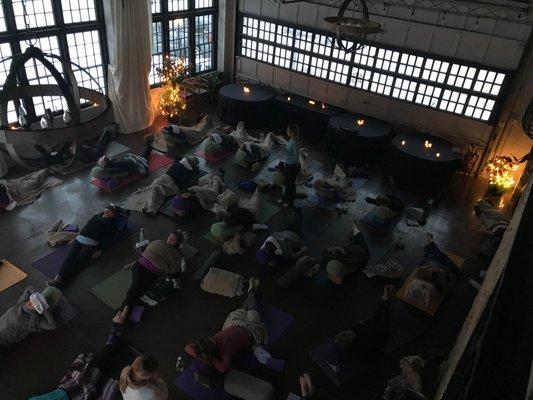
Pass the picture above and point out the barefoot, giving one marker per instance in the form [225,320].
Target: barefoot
[388,292]
[309,384]
[304,387]
[251,283]
[118,318]
[256,283]
[429,238]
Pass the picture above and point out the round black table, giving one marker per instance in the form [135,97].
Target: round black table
[354,143]
[252,106]
[421,168]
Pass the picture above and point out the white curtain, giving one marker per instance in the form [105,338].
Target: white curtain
[130,62]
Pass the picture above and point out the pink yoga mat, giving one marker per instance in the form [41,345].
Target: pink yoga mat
[213,159]
[156,161]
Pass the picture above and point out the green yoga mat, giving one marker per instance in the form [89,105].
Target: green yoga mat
[210,237]
[189,251]
[112,291]
[267,211]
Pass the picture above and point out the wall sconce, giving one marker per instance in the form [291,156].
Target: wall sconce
[312,102]
[246,89]
[360,122]
[403,142]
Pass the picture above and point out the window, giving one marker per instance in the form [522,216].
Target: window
[360,78]
[435,70]
[489,82]
[479,108]
[282,57]
[461,76]
[453,101]
[404,89]
[381,84]
[410,65]
[75,35]
[157,52]
[204,42]
[428,95]
[78,11]
[339,73]
[387,60]
[430,81]
[187,29]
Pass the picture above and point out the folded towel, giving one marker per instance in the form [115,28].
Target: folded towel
[222,282]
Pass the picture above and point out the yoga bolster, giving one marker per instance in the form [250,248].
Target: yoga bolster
[302,266]
[210,262]
[247,387]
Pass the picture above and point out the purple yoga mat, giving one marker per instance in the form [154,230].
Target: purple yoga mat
[185,381]
[136,313]
[51,263]
[65,311]
[293,396]
[349,369]
[276,320]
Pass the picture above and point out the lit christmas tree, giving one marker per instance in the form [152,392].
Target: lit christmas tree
[172,73]
[500,170]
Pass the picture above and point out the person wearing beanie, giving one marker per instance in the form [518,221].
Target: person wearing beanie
[32,313]
[98,234]
[181,175]
[159,259]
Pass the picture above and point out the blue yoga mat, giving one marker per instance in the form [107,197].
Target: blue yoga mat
[51,263]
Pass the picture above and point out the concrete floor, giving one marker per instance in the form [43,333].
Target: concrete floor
[36,365]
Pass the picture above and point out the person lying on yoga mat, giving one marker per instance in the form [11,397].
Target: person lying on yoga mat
[366,338]
[281,246]
[182,174]
[241,330]
[206,194]
[142,380]
[174,134]
[408,385]
[221,142]
[127,165]
[388,206]
[26,189]
[251,154]
[98,234]
[335,187]
[306,387]
[160,259]
[32,313]
[434,275]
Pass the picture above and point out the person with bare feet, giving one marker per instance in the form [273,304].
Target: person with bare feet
[367,337]
[242,330]
[306,387]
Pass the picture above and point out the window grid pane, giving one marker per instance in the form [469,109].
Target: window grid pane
[84,50]
[410,65]
[2,20]
[265,52]
[339,73]
[453,101]
[341,54]
[78,11]
[303,40]
[249,48]
[404,89]
[387,60]
[179,39]
[381,83]
[204,42]
[39,13]
[250,27]
[5,51]
[365,56]
[435,70]
[322,45]
[203,3]
[267,31]
[155,6]
[361,78]
[157,51]
[178,5]
[428,95]
[479,108]
[319,67]
[489,82]
[300,62]
[461,76]
[282,57]
[285,36]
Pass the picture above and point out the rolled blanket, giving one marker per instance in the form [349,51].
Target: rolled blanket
[222,282]
[250,321]
[56,235]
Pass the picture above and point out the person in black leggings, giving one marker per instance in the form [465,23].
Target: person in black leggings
[292,165]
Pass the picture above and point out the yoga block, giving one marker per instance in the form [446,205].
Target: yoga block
[249,239]
[210,262]
[247,387]
[303,265]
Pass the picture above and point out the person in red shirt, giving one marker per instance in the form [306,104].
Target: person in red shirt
[242,329]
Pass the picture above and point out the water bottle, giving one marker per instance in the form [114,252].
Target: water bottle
[141,235]
[180,365]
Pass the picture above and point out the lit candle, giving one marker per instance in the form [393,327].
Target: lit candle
[360,122]
[430,144]
[312,102]
[289,98]
[438,154]
[323,105]
[403,142]
[95,104]
[246,89]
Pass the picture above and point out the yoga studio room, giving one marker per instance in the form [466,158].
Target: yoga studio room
[266,200]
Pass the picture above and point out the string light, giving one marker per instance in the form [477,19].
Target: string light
[500,170]
[172,102]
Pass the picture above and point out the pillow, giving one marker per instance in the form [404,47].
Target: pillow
[228,198]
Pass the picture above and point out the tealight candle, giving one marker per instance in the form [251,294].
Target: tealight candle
[438,154]
[246,89]
[312,102]
[323,105]
[360,122]
[403,142]
[289,98]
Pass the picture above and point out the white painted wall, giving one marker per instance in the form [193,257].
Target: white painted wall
[489,42]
